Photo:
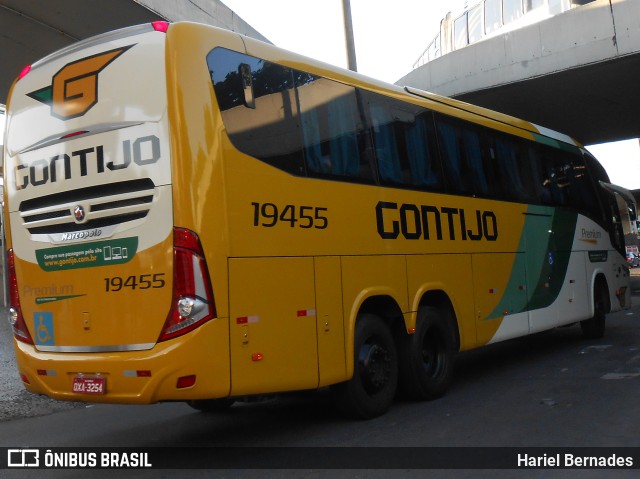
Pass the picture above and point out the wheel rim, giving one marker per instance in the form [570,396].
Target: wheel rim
[375,366]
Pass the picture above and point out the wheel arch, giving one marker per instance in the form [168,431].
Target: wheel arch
[379,303]
[384,305]
[439,299]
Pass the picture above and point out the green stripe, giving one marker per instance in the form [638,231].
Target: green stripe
[548,260]
[561,145]
[546,239]
[51,299]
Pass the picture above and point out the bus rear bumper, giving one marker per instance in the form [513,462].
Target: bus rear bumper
[193,366]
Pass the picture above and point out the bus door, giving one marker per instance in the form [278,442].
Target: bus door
[541,262]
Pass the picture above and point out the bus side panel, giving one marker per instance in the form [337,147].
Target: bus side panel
[573,301]
[500,287]
[447,273]
[331,347]
[369,276]
[197,145]
[273,325]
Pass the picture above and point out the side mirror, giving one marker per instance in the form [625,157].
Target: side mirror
[247,85]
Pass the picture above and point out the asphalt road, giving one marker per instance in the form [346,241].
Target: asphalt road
[15,401]
[548,390]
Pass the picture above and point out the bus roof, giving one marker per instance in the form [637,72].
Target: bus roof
[537,130]
[273,53]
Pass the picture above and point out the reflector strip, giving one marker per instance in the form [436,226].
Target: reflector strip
[306,312]
[75,133]
[247,319]
[137,374]
[186,381]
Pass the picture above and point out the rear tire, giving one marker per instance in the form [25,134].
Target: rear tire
[371,390]
[427,356]
[594,327]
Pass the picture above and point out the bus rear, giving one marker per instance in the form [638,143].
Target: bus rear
[102,287]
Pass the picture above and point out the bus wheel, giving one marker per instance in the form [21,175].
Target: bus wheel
[427,356]
[371,390]
[211,405]
[593,328]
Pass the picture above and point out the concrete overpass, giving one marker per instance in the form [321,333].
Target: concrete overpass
[31,29]
[576,72]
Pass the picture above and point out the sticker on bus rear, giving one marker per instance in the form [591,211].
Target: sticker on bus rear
[86,255]
[43,326]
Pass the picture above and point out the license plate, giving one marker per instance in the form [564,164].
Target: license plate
[89,385]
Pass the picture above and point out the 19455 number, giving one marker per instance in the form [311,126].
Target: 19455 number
[269,215]
[144,281]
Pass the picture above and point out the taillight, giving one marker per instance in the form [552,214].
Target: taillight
[192,303]
[24,72]
[160,26]
[16,320]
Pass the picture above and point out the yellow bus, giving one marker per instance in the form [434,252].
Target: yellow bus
[197,216]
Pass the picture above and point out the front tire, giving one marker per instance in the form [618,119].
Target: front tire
[371,390]
[427,356]
[594,327]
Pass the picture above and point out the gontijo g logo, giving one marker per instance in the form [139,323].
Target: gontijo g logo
[74,89]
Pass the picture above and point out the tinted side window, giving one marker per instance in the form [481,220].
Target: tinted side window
[596,170]
[553,177]
[582,194]
[258,105]
[335,137]
[404,143]
[475,154]
[424,161]
[450,143]
[464,158]
[512,168]
[562,179]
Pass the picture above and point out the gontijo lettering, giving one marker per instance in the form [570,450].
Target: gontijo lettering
[415,222]
[141,151]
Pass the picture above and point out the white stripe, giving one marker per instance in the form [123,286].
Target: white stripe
[555,135]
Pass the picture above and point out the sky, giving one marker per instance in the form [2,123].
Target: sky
[389,36]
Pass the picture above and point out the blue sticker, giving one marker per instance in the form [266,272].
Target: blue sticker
[43,325]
